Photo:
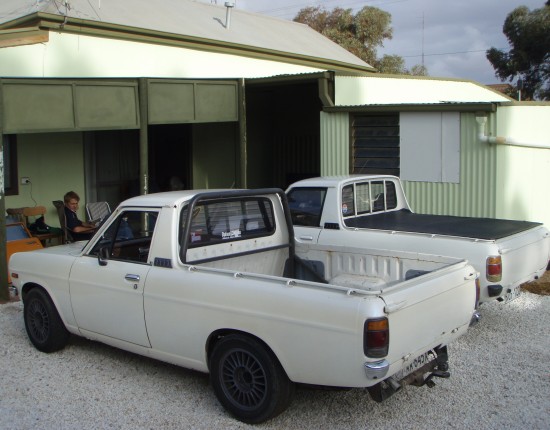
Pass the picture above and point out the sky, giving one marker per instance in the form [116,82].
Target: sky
[452,35]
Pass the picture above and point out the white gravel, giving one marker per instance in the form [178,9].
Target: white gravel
[500,380]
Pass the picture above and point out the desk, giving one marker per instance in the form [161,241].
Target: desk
[46,238]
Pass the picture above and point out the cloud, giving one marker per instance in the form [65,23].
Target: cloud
[453,35]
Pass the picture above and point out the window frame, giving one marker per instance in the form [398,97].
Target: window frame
[359,208]
[114,241]
[11,183]
[303,218]
[267,215]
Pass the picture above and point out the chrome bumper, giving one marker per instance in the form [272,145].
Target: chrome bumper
[13,291]
[475,318]
[376,370]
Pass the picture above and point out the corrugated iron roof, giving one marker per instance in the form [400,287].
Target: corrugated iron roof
[382,90]
[188,18]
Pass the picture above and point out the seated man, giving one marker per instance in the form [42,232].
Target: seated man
[80,230]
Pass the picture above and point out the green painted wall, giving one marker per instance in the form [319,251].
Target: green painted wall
[335,143]
[54,163]
[476,193]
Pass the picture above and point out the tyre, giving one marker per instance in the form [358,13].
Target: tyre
[44,327]
[248,380]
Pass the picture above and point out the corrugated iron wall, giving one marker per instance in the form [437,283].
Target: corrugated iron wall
[335,143]
[475,195]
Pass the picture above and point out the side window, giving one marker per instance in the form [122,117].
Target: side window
[378,196]
[128,238]
[375,196]
[306,205]
[348,202]
[215,222]
[363,198]
[391,195]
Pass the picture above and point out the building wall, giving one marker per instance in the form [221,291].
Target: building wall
[335,143]
[523,173]
[496,181]
[475,194]
[67,55]
[53,162]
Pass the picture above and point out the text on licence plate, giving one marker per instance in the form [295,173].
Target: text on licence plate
[415,364]
[513,294]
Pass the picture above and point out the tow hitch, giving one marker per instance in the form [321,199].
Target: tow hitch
[438,368]
[441,370]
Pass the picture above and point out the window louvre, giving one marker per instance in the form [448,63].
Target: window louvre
[375,144]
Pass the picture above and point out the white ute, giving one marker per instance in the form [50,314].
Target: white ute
[371,211]
[209,280]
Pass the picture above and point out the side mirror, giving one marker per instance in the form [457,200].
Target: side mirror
[103,256]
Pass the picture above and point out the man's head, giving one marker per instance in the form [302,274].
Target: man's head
[71,200]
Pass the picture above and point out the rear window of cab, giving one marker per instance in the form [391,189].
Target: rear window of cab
[219,221]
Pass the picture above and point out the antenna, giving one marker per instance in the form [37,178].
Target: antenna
[422,39]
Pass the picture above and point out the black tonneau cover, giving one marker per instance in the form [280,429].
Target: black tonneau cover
[404,220]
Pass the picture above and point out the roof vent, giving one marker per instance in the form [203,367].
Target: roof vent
[229,5]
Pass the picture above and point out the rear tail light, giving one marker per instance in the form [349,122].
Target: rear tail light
[494,268]
[376,337]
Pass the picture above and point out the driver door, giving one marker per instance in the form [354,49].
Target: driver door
[107,293]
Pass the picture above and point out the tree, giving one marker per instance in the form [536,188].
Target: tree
[360,34]
[528,33]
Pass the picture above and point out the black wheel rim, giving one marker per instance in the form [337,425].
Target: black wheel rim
[244,379]
[38,321]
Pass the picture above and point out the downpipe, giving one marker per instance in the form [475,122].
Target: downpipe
[482,137]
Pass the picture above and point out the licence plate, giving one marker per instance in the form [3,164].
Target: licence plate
[512,295]
[416,363]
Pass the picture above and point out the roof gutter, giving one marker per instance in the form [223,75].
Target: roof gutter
[418,107]
[325,83]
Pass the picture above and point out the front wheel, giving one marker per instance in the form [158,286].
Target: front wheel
[44,326]
[248,380]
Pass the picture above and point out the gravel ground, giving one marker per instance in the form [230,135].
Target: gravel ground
[500,380]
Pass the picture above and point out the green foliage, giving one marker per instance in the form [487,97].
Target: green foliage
[391,64]
[528,33]
[394,64]
[361,34]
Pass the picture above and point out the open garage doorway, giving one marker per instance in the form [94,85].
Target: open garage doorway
[170,157]
[283,131]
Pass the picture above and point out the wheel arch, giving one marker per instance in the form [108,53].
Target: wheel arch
[30,286]
[64,311]
[216,335]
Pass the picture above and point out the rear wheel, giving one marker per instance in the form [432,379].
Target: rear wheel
[44,326]
[248,380]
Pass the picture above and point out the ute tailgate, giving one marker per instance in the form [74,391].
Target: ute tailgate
[524,256]
[428,311]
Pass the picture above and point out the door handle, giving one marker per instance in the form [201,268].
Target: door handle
[132,278]
[306,237]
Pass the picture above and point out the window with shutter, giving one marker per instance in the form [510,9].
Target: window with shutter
[375,144]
